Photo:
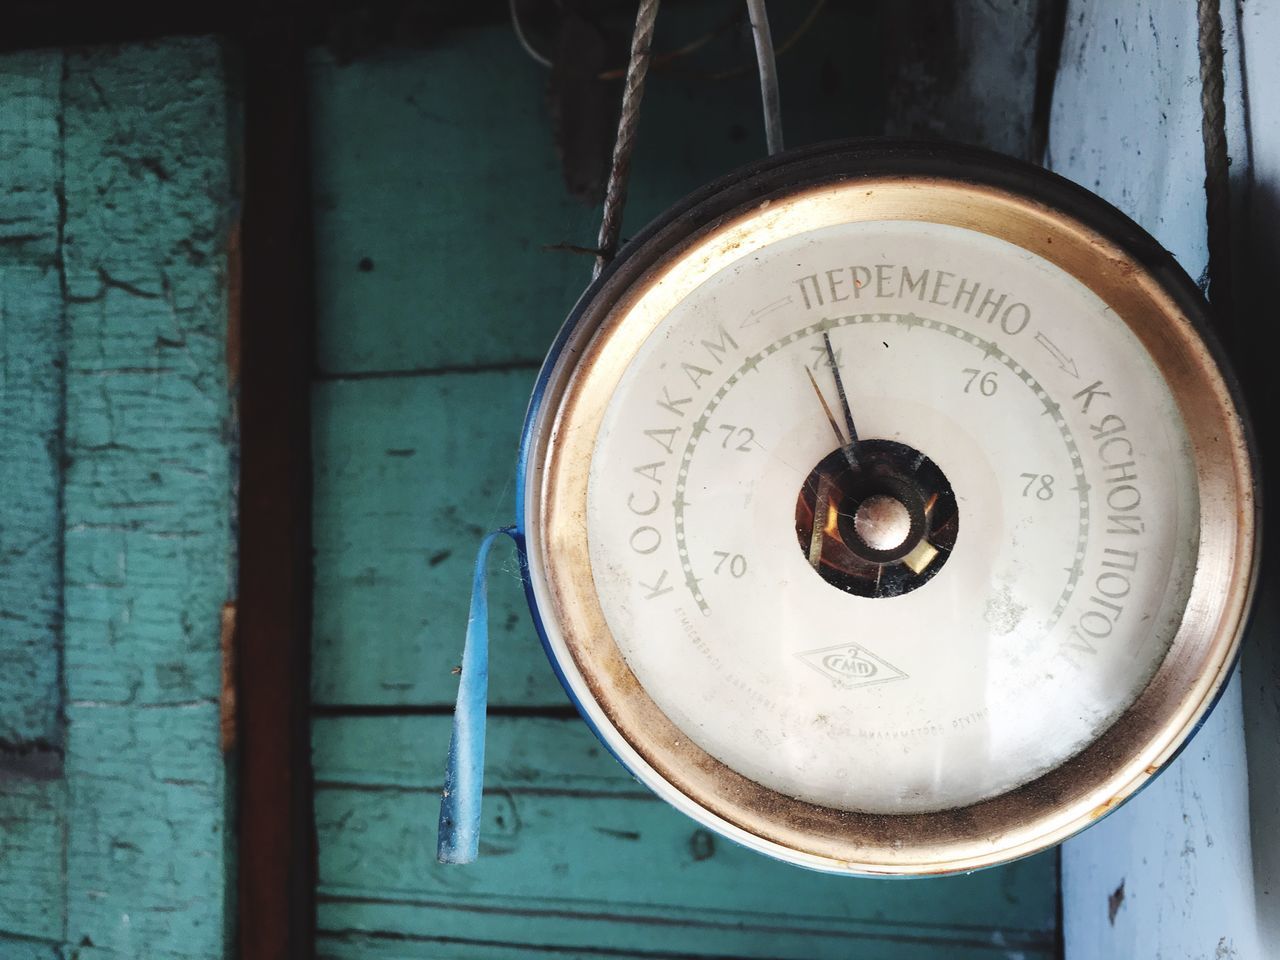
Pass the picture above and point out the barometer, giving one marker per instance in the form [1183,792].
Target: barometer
[887,508]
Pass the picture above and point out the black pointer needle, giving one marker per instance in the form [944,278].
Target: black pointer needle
[831,419]
[845,447]
[852,448]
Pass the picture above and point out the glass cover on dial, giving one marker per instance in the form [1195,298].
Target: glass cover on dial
[892,517]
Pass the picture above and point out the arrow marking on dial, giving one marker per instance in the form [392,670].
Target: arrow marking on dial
[755,316]
[1064,362]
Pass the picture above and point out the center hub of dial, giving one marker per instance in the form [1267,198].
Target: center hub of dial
[876,519]
[882,522]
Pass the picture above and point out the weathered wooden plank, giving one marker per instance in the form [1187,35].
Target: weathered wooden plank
[275,880]
[438,187]
[409,474]
[32,811]
[354,945]
[643,942]
[432,212]
[663,945]
[18,948]
[83,951]
[426,254]
[403,752]
[1141,150]
[30,401]
[1169,874]
[32,795]
[31,152]
[148,551]
[575,854]
[461,931]
[146,856]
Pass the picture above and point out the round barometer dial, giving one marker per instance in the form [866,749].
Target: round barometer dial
[886,510]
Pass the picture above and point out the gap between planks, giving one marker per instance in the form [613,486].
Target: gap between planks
[506,366]
[1011,941]
[627,911]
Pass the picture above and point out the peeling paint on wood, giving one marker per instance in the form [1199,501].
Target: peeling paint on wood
[1140,149]
[148,486]
[30,405]
[32,883]
[113,291]
[13,948]
[32,793]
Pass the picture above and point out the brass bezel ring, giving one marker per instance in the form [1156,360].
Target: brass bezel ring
[859,182]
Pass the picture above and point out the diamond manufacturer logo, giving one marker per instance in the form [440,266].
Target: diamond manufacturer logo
[850,665]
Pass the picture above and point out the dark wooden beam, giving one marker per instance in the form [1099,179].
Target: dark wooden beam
[349,27]
[276,879]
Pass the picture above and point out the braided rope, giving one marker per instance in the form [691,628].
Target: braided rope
[1217,184]
[615,197]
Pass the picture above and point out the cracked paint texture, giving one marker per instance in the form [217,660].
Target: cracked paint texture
[117,249]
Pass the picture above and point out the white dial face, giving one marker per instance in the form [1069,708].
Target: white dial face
[937,605]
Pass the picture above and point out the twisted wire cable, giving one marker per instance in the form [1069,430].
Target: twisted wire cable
[768,66]
[615,197]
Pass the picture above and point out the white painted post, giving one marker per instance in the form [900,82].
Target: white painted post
[1183,870]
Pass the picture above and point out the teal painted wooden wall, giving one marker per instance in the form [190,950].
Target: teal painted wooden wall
[437,196]
[116,546]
